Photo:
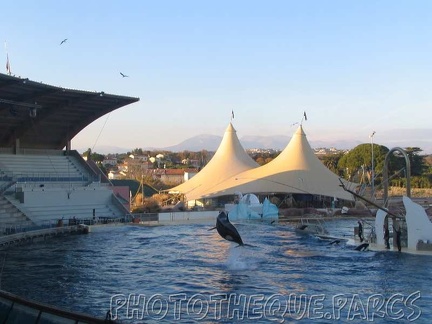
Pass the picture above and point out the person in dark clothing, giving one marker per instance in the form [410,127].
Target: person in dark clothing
[360,231]
[398,231]
[386,236]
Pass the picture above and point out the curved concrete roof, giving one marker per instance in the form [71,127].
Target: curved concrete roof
[46,117]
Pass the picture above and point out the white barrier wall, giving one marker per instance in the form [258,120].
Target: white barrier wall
[418,223]
[65,197]
[45,205]
[188,217]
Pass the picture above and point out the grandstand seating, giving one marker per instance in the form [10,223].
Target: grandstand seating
[42,167]
[42,188]
[11,217]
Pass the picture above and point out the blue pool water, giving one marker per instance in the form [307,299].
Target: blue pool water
[187,273]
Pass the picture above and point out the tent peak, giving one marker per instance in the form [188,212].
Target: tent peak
[300,131]
[230,128]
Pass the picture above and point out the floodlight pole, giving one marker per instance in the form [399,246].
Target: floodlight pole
[372,171]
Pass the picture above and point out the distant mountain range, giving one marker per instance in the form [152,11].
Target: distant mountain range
[398,138]
[278,142]
[212,142]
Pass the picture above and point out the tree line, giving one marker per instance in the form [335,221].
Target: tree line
[354,165]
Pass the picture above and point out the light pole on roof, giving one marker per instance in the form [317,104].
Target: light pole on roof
[372,171]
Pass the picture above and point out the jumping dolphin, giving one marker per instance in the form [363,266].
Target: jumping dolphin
[226,229]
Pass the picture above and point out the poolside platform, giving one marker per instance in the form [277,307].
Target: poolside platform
[41,234]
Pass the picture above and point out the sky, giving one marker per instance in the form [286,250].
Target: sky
[354,67]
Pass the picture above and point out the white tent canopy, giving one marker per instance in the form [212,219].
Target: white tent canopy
[295,170]
[230,159]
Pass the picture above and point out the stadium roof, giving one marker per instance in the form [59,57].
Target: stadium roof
[42,116]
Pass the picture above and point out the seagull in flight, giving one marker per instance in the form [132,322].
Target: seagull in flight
[63,41]
[124,75]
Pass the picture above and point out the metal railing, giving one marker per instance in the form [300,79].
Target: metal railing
[15,309]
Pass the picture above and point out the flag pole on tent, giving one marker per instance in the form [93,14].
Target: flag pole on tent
[304,118]
[8,68]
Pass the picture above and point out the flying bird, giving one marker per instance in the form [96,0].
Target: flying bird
[63,41]
[124,75]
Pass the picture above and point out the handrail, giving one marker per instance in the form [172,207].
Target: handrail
[116,202]
[40,176]
[367,200]
[385,172]
[83,163]
[52,310]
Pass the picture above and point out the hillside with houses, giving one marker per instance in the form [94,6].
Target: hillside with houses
[165,169]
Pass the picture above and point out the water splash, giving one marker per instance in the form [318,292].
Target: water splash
[239,258]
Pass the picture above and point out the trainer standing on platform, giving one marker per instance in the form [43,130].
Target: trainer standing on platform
[360,231]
